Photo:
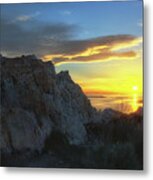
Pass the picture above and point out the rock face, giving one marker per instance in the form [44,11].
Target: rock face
[35,101]
[108,114]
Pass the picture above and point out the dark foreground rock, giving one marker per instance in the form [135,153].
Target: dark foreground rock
[36,101]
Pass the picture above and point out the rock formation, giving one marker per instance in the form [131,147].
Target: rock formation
[35,101]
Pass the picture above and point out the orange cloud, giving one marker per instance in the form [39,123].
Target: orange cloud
[86,53]
[98,49]
[129,44]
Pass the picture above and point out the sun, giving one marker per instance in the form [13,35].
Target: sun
[135,88]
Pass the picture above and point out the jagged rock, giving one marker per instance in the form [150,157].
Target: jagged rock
[36,100]
[109,114]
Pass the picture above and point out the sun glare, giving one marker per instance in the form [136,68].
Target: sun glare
[135,88]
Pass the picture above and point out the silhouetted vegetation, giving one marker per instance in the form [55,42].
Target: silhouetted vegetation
[117,144]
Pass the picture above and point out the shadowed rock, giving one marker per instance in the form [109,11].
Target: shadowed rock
[36,100]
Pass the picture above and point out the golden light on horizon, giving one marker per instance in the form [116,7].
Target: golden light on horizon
[135,103]
[117,77]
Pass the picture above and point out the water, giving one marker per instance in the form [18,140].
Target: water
[126,104]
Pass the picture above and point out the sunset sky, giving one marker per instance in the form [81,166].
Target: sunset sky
[99,43]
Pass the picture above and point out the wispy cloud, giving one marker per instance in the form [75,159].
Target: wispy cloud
[97,49]
[140,24]
[66,12]
[24,18]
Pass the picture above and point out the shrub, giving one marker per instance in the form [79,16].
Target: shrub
[57,141]
[117,156]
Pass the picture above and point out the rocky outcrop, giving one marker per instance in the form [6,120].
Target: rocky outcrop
[109,114]
[35,101]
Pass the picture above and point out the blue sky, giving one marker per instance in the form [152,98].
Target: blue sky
[92,19]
